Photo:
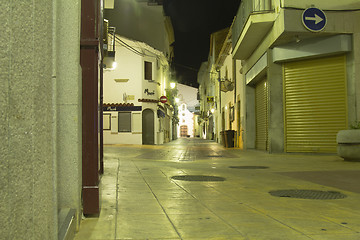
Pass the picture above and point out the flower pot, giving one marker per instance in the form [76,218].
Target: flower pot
[349,144]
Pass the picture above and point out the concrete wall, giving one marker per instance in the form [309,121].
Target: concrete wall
[275,117]
[35,151]
[68,106]
[27,202]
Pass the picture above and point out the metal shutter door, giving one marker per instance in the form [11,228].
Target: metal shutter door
[261,102]
[315,104]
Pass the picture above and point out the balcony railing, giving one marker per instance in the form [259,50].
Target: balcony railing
[246,8]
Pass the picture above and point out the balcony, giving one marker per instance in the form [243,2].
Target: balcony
[253,21]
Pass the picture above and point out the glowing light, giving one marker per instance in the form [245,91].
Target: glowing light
[212,110]
[114,65]
[172,85]
[177,100]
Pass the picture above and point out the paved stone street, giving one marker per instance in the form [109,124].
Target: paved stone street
[223,194]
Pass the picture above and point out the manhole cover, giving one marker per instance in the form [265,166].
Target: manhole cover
[308,194]
[199,178]
[249,167]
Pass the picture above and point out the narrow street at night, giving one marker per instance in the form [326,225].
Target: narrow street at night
[196,189]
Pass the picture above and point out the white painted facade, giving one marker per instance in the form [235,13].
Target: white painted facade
[186,121]
[126,87]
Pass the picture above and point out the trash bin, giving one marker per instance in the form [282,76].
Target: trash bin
[222,134]
[229,138]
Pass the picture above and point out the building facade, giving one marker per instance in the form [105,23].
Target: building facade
[295,67]
[186,126]
[133,112]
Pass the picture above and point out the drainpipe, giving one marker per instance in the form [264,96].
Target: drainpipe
[219,80]
[235,102]
[234,78]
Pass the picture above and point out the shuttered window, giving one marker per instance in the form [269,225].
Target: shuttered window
[261,111]
[148,70]
[124,122]
[315,104]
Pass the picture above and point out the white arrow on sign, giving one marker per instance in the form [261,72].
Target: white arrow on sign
[317,19]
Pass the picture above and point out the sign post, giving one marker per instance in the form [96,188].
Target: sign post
[163,99]
[314,19]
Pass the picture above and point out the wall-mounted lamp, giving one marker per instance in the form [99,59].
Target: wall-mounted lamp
[172,85]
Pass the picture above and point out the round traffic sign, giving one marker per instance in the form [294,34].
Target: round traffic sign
[163,99]
[314,19]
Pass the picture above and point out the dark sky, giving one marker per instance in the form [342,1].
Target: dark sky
[193,22]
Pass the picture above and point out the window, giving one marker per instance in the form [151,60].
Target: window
[148,70]
[107,121]
[124,122]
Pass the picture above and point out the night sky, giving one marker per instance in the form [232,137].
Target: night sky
[193,22]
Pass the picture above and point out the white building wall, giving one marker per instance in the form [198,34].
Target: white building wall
[130,69]
[227,98]
[126,84]
[186,118]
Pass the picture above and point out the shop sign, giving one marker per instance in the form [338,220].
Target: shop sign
[210,99]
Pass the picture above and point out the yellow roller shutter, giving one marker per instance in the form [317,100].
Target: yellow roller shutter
[315,104]
[261,109]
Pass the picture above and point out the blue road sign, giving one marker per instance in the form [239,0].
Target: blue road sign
[314,19]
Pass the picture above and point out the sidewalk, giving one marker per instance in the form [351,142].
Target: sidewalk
[140,200]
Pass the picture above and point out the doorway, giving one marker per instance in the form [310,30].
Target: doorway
[183,131]
[148,135]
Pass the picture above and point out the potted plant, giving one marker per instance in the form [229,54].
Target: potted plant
[349,143]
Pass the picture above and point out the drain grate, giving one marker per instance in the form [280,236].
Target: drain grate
[308,194]
[198,178]
[214,156]
[249,167]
